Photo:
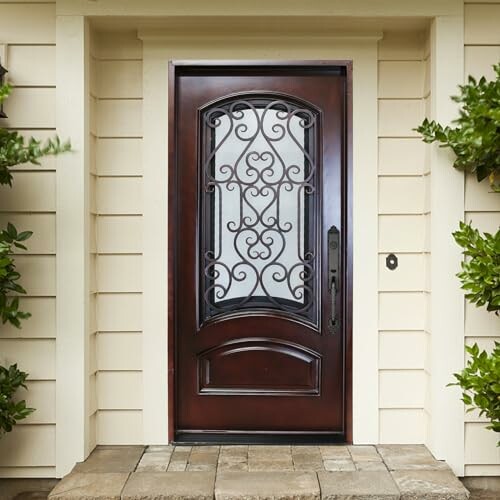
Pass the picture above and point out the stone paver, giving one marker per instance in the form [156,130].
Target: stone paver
[160,448]
[154,461]
[169,486]
[384,472]
[111,459]
[429,485]
[364,453]
[179,459]
[307,461]
[339,465]
[409,457]
[371,466]
[261,465]
[358,485]
[90,486]
[267,485]
[335,452]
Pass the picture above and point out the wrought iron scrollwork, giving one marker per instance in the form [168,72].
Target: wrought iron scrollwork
[259,209]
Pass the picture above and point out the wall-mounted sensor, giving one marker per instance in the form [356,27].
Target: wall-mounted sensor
[391,262]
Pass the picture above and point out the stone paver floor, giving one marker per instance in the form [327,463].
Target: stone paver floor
[399,472]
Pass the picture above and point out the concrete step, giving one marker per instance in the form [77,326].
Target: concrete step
[257,473]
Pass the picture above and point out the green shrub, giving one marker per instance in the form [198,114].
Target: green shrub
[9,305]
[480,383]
[11,411]
[15,150]
[475,139]
[480,274]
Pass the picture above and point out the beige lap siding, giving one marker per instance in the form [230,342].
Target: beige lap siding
[118,104]
[402,228]
[482,208]
[29,32]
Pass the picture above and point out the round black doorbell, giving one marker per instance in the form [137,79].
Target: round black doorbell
[391,262]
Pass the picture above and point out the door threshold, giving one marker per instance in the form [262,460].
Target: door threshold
[231,437]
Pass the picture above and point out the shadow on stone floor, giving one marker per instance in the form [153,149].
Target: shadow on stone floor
[26,489]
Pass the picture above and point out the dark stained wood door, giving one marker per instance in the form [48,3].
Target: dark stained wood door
[260,249]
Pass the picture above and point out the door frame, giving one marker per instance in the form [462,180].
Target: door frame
[177,67]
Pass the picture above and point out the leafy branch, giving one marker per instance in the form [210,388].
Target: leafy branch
[480,275]
[9,277]
[480,383]
[475,139]
[11,411]
[15,150]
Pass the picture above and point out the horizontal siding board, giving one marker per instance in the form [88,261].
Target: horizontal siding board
[121,46]
[401,233]
[35,23]
[29,446]
[402,426]
[37,357]
[400,79]
[43,226]
[402,389]
[119,312]
[30,192]
[38,274]
[482,470]
[93,406]
[119,351]
[119,79]
[398,117]
[119,273]
[92,366]
[120,390]
[401,195]
[401,156]
[479,322]
[481,24]
[400,47]
[479,61]
[32,65]
[116,157]
[119,234]
[402,350]
[119,118]
[119,427]
[481,445]
[485,221]
[27,472]
[40,395]
[30,108]
[479,197]
[119,195]
[408,276]
[42,323]
[401,311]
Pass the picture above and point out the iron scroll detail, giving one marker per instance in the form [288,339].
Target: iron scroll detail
[259,207]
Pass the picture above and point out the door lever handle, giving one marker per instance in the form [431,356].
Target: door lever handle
[333,275]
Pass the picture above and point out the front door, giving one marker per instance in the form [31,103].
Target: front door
[260,252]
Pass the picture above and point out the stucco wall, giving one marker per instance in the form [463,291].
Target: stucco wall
[482,208]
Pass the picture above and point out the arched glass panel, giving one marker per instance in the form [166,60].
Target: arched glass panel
[259,207]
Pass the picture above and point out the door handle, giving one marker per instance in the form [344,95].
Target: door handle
[333,275]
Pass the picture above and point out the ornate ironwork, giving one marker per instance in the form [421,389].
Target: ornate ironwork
[259,209]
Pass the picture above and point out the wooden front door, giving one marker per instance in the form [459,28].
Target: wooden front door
[260,252]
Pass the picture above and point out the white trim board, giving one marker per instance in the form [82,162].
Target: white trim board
[72,244]
[156,55]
